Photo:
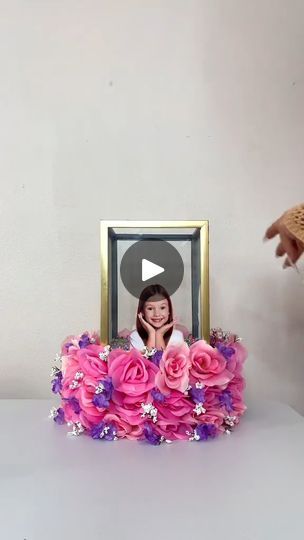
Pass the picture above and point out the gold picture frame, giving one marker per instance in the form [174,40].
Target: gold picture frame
[201,230]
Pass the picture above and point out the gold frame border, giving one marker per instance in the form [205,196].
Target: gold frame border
[105,225]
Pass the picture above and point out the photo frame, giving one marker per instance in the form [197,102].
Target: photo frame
[191,300]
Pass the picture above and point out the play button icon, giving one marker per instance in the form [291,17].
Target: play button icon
[149,269]
[151,262]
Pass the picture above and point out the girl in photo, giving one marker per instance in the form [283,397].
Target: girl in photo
[155,322]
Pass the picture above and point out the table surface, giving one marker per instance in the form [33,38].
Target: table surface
[244,486]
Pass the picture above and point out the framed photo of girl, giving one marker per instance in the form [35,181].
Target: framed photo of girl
[154,282]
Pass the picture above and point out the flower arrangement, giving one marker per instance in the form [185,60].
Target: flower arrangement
[190,391]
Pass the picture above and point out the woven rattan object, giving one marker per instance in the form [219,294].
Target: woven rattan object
[294,221]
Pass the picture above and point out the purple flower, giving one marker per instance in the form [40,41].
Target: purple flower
[156,358]
[103,393]
[105,431]
[227,352]
[206,431]
[68,345]
[108,387]
[197,394]
[74,404]
[84,341]
[97,430]
[57,383]
[59,418]
[157,395]
[151,436]
[225,400]
[100,401]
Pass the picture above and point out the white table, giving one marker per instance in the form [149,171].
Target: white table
[246,486]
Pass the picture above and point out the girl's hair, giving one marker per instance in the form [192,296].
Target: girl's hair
[147,293]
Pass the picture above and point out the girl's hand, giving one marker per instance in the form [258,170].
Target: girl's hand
[161,331]
[148,327]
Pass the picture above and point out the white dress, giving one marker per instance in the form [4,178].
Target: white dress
[137,343]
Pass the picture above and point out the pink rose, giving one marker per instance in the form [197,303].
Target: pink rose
[69,376]
[131,373]
[212,397]
[69,369]
[123,428]
[129,407]
[72,343]
[173,430]
[236,361]
[176,408]
[79,365]
[237,386]
[208,365]
[240,356]
[86,420]
[86,360]
[69,414]
[83,394]
[90,362]
[212,416]
[86,392]
[235,400]
[239,408]
[174,369]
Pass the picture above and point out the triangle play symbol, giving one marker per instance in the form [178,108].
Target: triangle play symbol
[150,269]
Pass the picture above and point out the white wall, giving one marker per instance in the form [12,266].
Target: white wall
[133,109]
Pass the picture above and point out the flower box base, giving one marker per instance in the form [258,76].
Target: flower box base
[193,391]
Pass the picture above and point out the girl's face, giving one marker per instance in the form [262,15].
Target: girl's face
[156,312]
